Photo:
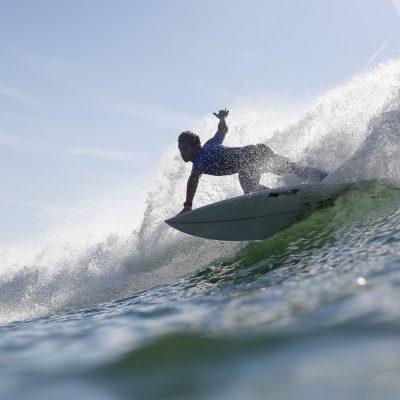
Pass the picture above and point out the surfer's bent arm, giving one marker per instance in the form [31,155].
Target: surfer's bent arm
[192,184]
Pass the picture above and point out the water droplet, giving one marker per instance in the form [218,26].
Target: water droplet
[361,281]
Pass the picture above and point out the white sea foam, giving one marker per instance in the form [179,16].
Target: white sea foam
[85,260]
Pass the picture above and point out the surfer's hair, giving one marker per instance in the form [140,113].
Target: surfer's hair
[189,137]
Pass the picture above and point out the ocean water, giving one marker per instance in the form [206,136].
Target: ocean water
[310,313]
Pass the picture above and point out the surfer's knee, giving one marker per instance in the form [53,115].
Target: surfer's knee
[264,147]
[264,152]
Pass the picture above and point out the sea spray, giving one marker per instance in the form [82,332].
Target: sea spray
[65,275]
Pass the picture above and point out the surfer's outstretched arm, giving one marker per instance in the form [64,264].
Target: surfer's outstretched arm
[222,129]
[222,115]
[192,184]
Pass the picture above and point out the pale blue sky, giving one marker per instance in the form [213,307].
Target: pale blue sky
[91,92]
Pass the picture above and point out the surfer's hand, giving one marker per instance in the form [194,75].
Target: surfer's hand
[186,209]
[222,127]
[222,114]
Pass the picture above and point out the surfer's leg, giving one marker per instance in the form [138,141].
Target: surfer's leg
[275,163]
[249,160]
[249,180]
[279,165]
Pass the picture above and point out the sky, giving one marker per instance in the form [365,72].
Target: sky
[92,92]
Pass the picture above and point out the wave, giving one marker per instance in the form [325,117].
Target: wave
[351,131]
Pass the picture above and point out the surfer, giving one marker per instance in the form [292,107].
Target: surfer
[248,161]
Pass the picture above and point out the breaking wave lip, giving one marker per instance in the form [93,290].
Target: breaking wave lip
[352,131]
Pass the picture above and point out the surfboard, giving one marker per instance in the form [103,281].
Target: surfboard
[258,215]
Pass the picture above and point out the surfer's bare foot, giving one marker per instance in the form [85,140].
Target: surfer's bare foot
[186,209]
[309,173]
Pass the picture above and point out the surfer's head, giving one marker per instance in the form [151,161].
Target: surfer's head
[188,144]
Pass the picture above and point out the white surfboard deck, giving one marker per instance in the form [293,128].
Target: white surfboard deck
[258,215]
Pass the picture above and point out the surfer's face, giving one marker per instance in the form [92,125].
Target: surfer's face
[187,151]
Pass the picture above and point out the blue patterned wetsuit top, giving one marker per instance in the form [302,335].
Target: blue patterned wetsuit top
[214,158]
